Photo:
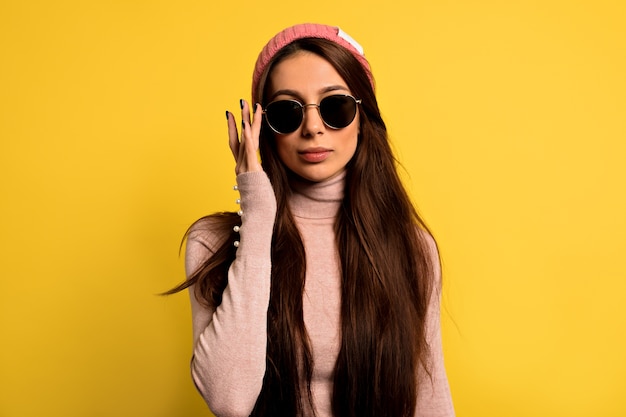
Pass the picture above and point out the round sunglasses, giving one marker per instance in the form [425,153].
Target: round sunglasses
[286,116]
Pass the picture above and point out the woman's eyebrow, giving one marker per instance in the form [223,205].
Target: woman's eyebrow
[284,92]
[333,88]
[294,93]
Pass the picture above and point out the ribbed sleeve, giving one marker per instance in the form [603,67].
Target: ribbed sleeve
[228,361]
[433,398]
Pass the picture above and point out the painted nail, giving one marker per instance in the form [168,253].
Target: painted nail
[243,125]
[255,106]
[241,103]
[226,114]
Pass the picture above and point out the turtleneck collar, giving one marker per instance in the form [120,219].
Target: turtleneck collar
[317,200]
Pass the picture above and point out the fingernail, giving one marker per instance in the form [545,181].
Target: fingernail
[243,124]
[241,103]
[226,114]
[255,106]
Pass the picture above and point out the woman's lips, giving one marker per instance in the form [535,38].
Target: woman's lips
[314,154]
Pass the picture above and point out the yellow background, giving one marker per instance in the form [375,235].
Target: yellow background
[508,116]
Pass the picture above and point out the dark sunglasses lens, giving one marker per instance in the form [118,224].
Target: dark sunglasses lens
[338,111]
[284,116]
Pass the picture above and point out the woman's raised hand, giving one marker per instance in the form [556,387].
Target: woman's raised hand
[245,149]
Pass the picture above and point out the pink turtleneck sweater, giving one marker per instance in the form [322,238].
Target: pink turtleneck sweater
[228,361]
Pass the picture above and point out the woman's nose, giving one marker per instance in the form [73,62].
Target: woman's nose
[312,124]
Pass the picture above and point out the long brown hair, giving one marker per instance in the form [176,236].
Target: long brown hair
[387,272]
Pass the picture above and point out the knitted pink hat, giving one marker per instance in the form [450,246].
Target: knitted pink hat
[306,30]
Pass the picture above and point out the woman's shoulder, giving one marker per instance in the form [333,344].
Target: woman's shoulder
[430,250]
[427,241]
[212,230]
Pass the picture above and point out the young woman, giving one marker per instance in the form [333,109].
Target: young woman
[320,297]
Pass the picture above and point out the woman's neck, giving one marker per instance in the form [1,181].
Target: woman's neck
[317,200]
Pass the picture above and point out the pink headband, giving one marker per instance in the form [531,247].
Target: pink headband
[306,30]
